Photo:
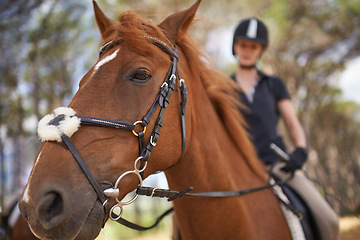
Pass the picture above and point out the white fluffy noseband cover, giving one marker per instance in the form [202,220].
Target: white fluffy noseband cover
[67,126]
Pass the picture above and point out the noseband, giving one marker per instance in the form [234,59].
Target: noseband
[162,100]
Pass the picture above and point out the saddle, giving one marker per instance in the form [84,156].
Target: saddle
[294,203]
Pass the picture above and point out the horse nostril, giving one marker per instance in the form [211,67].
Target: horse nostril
[55,208]
[50,210]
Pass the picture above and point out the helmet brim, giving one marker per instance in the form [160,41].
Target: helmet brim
[262,42]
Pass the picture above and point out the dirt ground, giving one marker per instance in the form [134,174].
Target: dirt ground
[350,228]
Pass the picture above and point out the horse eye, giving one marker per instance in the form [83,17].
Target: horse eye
[141,75]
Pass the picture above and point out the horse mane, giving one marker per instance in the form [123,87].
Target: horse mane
[220,88]
[224,95]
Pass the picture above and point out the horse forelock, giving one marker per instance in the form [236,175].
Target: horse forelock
[132,28]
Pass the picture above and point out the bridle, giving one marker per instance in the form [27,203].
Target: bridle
[161,100]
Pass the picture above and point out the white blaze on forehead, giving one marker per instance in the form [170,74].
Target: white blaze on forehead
[106,60]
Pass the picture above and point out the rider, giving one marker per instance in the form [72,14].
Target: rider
[267,99]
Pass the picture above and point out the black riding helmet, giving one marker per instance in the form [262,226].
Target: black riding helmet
[251,29]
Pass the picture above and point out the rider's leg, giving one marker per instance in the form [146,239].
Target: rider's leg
[324,215]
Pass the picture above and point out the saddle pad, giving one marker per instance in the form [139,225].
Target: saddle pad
[293,221]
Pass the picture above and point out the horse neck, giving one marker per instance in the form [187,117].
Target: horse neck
[212,162]
[211,153]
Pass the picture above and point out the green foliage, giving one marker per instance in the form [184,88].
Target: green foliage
[36,70]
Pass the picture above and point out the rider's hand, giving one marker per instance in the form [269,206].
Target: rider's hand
[297,160]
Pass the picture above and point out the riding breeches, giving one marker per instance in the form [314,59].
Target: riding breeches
[324,215]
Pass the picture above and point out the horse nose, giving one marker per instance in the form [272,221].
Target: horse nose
[50,210]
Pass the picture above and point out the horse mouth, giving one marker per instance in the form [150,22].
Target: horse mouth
[92,225]
[80,224]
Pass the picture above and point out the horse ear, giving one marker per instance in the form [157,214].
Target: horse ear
[178,23]
[102,20]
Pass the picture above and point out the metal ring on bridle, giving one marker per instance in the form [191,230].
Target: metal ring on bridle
[135,163]
[135,133]
[136,172]
[120,204]
[113,209]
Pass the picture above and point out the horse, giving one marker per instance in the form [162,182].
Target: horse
[13,225]
[85,168]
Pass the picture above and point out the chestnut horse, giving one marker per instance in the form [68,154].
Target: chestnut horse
[61,202]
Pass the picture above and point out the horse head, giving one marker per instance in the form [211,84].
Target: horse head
[124,94]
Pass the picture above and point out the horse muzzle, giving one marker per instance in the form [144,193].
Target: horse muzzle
[52,215]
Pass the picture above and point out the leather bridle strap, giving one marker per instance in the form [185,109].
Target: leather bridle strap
[172,195]
[162,99]
[183,93]
[141,228]
[84,168]
[106,123]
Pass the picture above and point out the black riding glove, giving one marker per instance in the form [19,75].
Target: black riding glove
[297,160]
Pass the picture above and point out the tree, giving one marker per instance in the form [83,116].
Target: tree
[13,16]
[310,49]
[37,71]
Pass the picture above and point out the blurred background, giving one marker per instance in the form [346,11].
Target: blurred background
[46,46]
